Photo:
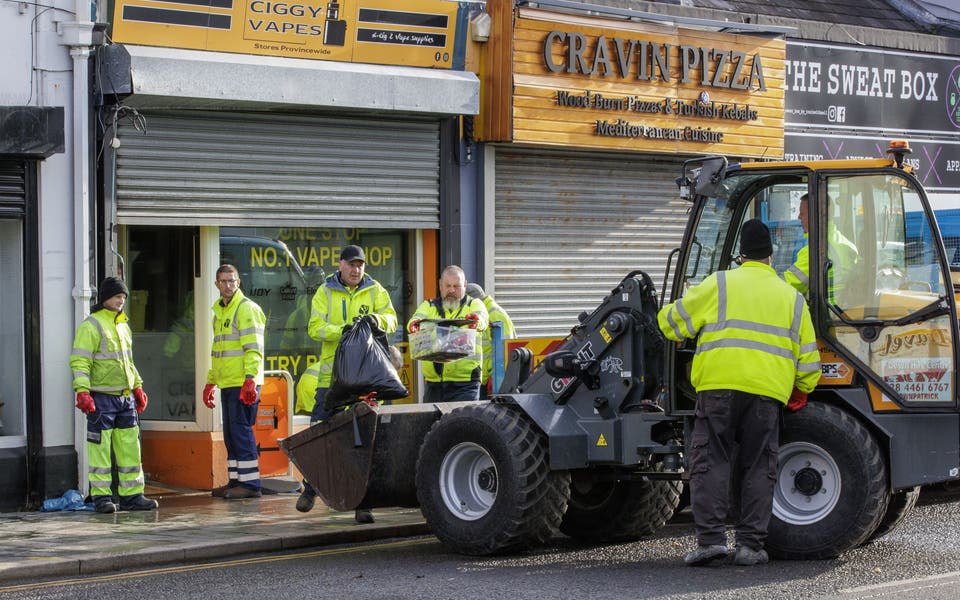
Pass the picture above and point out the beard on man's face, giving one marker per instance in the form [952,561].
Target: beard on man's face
[451,302]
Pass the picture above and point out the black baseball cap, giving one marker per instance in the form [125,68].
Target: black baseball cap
[351,253]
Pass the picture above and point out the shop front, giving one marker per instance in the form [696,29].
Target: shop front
[587,121]
[272,155]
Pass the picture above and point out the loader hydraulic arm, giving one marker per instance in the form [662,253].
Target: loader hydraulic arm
[610,361]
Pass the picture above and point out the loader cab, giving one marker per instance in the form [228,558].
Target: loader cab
[879,290]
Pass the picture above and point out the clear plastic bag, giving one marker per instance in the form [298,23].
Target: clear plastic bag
[438,341]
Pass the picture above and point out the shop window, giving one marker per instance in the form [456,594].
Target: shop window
[281,269]
[12,405]
[160,267]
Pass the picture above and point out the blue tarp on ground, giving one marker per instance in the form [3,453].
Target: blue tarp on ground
[71,500]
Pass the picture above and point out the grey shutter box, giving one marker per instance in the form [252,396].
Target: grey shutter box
[281,170]
[569,226]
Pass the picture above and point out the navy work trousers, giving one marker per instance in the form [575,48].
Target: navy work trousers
[243,465]
[725,420]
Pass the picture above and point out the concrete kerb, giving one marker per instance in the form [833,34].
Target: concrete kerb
[106,562]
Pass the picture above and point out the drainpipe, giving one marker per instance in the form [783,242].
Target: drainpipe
[78,36]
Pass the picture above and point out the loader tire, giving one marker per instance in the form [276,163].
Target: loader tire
[901,503]
[831,489]
[484,483]
[602,511]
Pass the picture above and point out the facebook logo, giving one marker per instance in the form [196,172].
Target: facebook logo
[837,114]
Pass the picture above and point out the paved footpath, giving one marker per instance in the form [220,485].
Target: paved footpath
[189,526]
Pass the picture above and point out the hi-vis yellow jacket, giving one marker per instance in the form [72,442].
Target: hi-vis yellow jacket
[798,274]
[843,254]
[334,306]
[754,333]
[237,342]
[102,357]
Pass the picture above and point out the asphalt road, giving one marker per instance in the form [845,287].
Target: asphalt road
[921,559]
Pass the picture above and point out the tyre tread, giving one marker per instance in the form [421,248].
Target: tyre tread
[540,498]
[848,531]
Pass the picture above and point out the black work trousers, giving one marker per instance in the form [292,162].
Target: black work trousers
[724,420]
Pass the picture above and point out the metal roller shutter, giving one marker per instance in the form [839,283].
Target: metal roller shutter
[569,226]
[269,169]
[13,188]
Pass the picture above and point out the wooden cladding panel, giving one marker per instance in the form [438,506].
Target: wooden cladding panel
[494,124]
[539,118]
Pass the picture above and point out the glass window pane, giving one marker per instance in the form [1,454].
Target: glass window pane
[12,407]
[885,267]
[160,277]
[880,247]
[281,269]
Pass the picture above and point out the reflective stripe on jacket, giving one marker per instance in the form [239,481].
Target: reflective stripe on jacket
[238,330]
[307,389]
[495,313]
[334,306]
[464,369]
[754,333]
[843,255]
[798,274]
[102,357]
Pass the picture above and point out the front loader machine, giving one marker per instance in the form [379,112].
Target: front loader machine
[580,446]
[592,442]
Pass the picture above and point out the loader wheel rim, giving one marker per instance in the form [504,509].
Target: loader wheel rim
[468,481]
[808,484]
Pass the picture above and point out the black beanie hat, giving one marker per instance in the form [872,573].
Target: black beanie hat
[110,287]
[755,240]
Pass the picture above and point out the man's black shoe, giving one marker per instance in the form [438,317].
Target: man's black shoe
[745,557]
[138,502]
[704,555]
[362,515]
[305,501]
[220,491]
[238,492]
[105,507]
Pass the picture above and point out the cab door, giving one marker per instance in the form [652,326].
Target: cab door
[884,289]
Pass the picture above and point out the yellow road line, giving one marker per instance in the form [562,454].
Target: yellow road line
[217,565]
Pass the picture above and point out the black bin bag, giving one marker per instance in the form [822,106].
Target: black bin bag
[360,366]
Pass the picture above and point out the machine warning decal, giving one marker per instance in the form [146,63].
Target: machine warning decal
[586,353]
[558,384]
[834,370]
[601,441]
[611,364]
[605,335]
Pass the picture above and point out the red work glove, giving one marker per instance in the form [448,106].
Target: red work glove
[208,391]
[248,393]
[797,400]
[140,399]
[414,326]
[85,403]
[474,319]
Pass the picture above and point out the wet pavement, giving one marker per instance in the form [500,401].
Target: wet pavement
[189,526]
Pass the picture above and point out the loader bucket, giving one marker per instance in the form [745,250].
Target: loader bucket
[365,457]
